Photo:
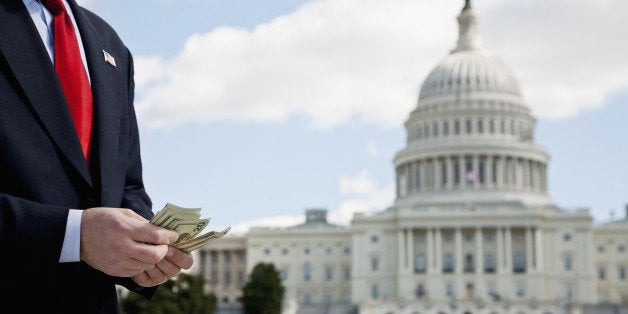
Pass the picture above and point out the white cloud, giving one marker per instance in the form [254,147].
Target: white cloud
[360,184]
[365,196]
[362,61]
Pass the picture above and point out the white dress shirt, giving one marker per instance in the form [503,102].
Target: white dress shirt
[71,249]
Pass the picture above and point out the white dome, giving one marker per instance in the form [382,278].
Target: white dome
[469,67]
[473,70]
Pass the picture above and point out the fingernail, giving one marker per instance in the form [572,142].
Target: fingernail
[170,252]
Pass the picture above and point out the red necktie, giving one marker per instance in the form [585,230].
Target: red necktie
[71,73]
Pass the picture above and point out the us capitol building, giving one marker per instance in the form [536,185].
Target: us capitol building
[472,229]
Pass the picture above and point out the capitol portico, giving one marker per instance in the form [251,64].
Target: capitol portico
[472,228]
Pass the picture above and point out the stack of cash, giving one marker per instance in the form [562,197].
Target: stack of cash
[188,223]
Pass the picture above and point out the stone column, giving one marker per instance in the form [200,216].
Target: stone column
[450,173]
[411,179]
[437,176]
[438,256]
[423,174]
[409,250]
[479,251]
[458,257]
[528,239]
[429,238]
[461,170]
[508,240]
[500,262]
[489,172]
[401,248]
[476,167]
[518,173]
[538,248]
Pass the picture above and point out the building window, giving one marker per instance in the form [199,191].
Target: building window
[600,249]
[468,236]
[266,251]
[568,263]
[284,251]
[329,273]
[468,263]
[443,173]
[435,129]
[602,273]
[568,291]
[328,250]
[489,263]
[307,298]
[567,237]
[420,263]
[449,263]
[284,274]
[374,239]
[491,126]
[227,257]
[307,272]
[521,289]
[457,127]
[622,272]
[519,262]
[469,127]
[347,272]
[241,278]
[449,289]
[427,131]
[420,290]
[306,251]
[374,264]
[329,298]
[347,250]
[227,277]
[621,248]
[488,237]
[374,292]
[480,126]
[449,237]
[420,238]
[491,290]
[446,128]
[456,173]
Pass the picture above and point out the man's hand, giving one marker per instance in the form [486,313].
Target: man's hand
[119,242]
[165,269]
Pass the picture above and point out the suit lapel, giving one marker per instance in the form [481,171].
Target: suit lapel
[107,115]
[29,62]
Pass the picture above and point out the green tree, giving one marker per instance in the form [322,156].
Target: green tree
[263,292]
[181,296]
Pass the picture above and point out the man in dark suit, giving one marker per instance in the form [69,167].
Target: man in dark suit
[73,209]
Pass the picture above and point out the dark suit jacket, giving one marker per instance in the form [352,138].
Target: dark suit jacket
[43,173]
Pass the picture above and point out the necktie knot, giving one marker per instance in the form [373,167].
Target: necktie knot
[54,6]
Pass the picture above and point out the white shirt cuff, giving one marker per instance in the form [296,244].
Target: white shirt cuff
[71,249]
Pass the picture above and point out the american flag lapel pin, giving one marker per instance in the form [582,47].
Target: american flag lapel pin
[109,58]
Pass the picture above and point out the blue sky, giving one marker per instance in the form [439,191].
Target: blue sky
[258,110]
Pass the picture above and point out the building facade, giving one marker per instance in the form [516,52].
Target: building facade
[472,229]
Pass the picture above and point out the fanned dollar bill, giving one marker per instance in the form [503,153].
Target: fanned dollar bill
[189,224]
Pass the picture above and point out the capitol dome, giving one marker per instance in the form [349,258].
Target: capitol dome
[469,67]
[470,139]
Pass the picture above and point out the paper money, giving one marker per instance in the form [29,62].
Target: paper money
[189,224]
